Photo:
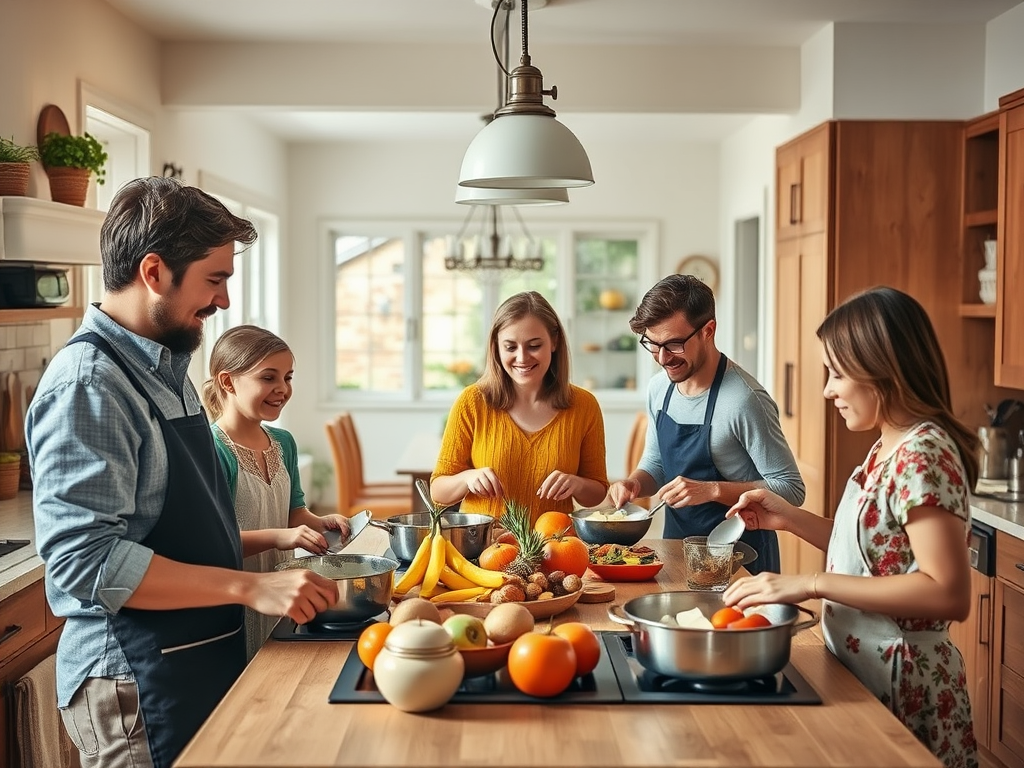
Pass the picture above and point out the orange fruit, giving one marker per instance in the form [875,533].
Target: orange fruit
[567,554]
[752,621]
[371,641]
[497,556]
[541,664]
[554,524]
[723,617]
[584,642]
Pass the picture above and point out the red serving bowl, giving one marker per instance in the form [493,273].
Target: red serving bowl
[626,572]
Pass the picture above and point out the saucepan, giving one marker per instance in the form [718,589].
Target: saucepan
[469,533]
[365,584]
[719,655]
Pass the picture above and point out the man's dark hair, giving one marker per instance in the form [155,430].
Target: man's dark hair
[670,296]
[161,215]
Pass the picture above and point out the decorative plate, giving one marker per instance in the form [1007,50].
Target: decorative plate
[626,572]
[702,268]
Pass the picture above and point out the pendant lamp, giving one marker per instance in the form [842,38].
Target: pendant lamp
[524,146]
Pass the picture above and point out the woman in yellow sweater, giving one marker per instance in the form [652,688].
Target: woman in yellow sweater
[523,433]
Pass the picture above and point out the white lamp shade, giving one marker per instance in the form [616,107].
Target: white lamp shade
[485,196]
[524,151]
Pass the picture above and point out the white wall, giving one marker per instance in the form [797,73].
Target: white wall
[674,184]
[1004,56]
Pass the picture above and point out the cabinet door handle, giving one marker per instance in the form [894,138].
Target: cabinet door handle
[10,632]
[787,391]
[793,218]
[984,619]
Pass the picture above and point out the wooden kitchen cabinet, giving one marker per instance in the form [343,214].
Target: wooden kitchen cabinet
[973,637]
[1006,732]
[889,207]
[28,634]
[1009,332]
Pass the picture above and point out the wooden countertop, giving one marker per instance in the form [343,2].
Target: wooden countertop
[277,715]
[23,567]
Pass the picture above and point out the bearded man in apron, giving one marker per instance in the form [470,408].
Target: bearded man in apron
[133,516]
[713,432]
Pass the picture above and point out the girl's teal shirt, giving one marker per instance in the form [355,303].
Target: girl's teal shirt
[289,457]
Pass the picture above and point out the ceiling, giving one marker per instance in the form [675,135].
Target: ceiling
[606,22]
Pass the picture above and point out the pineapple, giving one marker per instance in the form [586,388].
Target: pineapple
[531,543]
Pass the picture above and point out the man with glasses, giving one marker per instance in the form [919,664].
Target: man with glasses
[713,432]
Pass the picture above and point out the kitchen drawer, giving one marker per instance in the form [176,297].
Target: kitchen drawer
[1010,559]
[24,620]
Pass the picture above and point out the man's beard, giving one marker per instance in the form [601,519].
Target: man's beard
[177,338]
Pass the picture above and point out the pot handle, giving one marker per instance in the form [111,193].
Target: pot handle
[615,614]
[382,524]
[808,623]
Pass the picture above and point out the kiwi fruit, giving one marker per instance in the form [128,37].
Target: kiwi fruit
[415,608]
[507,621]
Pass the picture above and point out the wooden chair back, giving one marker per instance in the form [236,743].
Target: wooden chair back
[635,449]
[343,461]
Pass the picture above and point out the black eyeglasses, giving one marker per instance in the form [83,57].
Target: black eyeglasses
[673,346]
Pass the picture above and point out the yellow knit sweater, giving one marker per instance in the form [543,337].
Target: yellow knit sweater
[477,435]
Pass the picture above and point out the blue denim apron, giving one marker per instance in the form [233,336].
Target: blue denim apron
[183,660]
[686,452]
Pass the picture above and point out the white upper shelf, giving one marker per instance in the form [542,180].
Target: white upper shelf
[45,232]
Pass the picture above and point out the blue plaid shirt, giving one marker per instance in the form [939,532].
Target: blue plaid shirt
[99,470]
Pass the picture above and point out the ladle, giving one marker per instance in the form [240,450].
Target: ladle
[424,491]
[727,532]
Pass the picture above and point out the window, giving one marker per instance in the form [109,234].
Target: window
[404,327]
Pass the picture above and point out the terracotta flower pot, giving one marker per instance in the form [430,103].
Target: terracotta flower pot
[14,178]
[69,185]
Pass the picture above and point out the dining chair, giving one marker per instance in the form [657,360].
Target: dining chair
[374,488]
[635,449]
[350,497]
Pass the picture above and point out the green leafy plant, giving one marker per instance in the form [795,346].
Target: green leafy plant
[63,151]
[15,153]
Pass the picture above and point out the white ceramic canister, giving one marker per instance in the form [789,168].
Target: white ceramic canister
[418,669]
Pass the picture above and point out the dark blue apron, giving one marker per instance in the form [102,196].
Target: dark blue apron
[183,660]
[686,452]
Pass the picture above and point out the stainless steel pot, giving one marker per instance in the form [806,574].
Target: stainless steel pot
[365,584]
[708,654]
[471,534]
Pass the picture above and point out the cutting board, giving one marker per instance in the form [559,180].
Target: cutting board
[14,425]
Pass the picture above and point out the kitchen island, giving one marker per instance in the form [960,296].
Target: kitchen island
[278,715]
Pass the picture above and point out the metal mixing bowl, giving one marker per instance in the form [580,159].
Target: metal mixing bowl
[611,531]
[708,654]
[471,534]
[365,583]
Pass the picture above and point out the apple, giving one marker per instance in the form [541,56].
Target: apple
[466,631]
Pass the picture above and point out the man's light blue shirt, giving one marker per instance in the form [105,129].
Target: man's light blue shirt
[99,471]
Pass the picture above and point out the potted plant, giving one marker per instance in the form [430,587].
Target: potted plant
[69,162]
[14,166]
[10,473]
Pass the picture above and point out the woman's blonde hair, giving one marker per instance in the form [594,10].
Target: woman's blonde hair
[883,338]
[238,351]
[496,385]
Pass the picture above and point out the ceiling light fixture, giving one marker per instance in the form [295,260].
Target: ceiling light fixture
[524,146]
[468,253]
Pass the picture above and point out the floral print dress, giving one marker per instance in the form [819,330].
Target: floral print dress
[911,665]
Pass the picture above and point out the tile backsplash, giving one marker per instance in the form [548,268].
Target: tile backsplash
[25,348]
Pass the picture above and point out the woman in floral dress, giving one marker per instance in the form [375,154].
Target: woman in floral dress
[904,519]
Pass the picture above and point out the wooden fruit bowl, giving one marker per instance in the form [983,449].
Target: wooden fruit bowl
[541,609]
[484,661]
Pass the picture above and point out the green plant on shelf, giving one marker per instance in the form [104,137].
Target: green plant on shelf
[63,151]
[16,153]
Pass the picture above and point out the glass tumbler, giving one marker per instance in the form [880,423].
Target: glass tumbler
[708,568]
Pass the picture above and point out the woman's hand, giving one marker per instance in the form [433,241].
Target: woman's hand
[769,587]
[622,492]
[337,523]
[300,537]
[559,485]
[762,510]
[484,482]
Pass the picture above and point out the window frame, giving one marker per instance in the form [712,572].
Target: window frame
[413,232]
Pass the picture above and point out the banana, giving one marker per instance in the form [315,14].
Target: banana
[476,574]
[434,566]
[454,580]
[459,595]
[417,568]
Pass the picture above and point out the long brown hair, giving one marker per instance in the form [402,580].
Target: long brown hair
[496,385]
[238,351]
[883,338]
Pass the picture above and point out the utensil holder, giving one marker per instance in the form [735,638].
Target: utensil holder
[993,458]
